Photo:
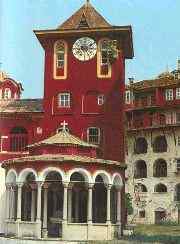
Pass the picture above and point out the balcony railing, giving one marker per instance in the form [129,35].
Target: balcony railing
[149,122]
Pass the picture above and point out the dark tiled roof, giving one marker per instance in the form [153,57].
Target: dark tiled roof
[21,106]
[88,13]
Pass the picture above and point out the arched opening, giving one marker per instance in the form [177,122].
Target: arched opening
[177,193]
[99,200]
[78,198]
[140,169]
[140,145]
[140,188]
[160,188]
[11,191]
[29,198]
[160,144]
[18,139]
[53,192]
[160,215]
[160,168]
[114,204]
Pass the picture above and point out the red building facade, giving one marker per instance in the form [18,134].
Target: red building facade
[84,87]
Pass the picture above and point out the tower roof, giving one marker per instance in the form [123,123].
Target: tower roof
[85,17]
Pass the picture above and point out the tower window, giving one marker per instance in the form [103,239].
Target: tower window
[178,93]
[93,135]
[169,94]
[60,60]
[128,97]
[18,139]
[60,55]
[100,99]
[64,100]
[7,93]
[104,66]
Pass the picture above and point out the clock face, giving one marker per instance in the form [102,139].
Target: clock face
[84,49]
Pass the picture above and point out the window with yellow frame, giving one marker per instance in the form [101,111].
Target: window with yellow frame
[60,59]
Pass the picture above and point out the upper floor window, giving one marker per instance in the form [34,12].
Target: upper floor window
[140,169]
[160,144]
[7,93]
[101,99]
[60,60]
[18,139]
[94,135]
[160,188]
[128,97]
[1,94]
[104,66]
[160,168]
[178,93]
[169,94]
[64,100]
[140,145]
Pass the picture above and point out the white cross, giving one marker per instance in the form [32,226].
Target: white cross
[64,125]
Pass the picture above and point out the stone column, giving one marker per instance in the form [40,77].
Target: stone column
[13,189]
[38,217]
[65,201]
[19,198]
[45,232]
[90,189]
[108,204]
[33,204]
[70,204]
[119,212]
[7,201]
[10,202]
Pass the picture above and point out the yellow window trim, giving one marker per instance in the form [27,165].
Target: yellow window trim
[60,77]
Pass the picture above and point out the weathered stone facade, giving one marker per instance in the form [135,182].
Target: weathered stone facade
[153,150]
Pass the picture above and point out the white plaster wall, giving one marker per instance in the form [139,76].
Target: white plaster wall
[2,199]
[154,200]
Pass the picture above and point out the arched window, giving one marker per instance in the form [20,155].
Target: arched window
[177,193]
[7,93]
[140,169]
[140,188]
[79,198]
[94,135]
[99,200]
[160,188]
[29,192]
[140,145]
[18,139]
[104,66]
[160,144]
[160,168]
[60,60]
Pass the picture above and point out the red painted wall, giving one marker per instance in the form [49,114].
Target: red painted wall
[82,78]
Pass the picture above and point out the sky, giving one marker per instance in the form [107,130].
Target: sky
[155,24]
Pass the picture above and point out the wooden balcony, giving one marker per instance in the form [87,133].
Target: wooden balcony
[140,104]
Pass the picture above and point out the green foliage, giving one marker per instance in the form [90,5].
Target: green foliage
[128,203]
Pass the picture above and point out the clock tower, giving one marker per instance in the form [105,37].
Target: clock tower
[85,78]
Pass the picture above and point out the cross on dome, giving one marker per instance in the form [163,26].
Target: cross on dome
[64,124]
